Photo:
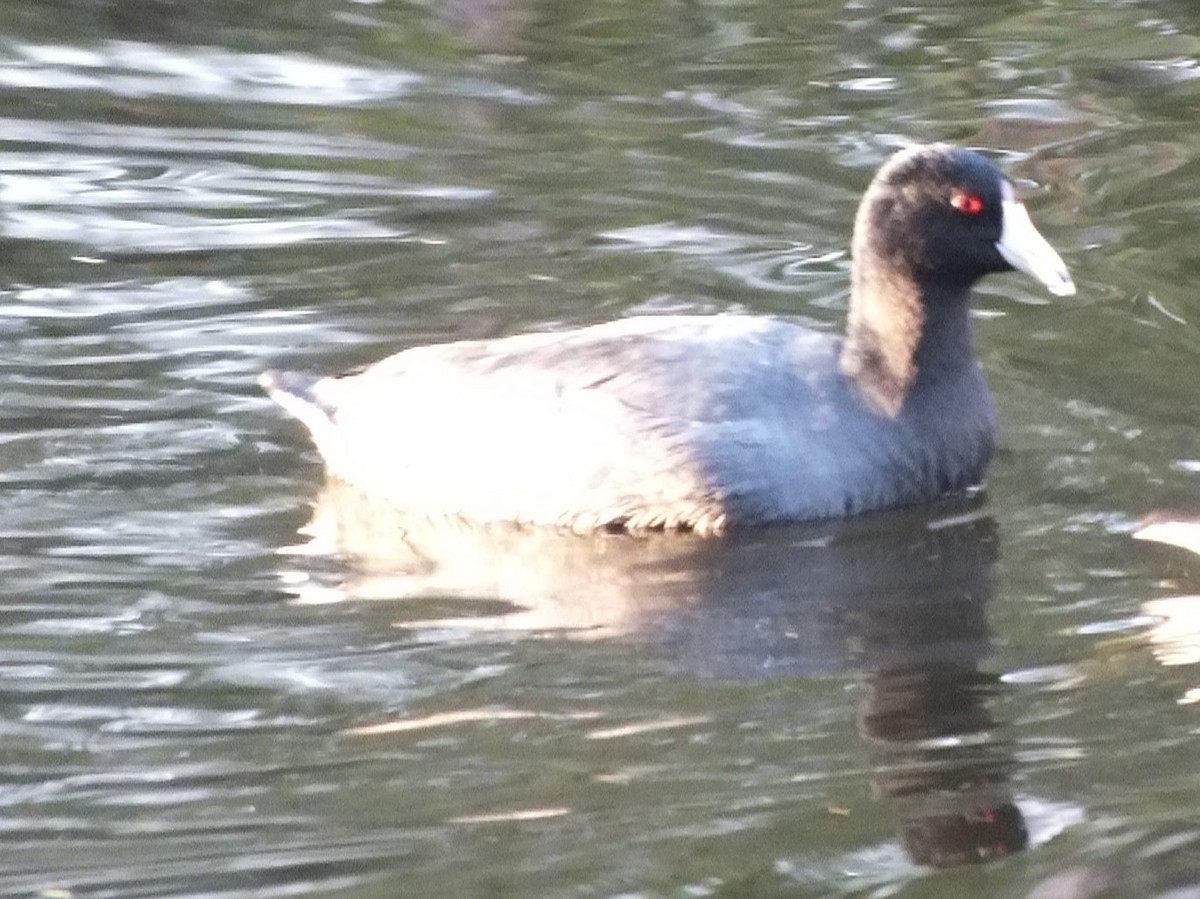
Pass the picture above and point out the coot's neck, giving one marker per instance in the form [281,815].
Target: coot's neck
[947,341]
[893,344]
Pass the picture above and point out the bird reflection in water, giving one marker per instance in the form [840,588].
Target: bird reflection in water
[899,599]
[931,737]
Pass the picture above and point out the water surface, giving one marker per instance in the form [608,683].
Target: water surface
[987,698]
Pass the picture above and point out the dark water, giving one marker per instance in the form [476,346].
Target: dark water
[190,192]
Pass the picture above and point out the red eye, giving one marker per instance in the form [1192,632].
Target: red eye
[968,204]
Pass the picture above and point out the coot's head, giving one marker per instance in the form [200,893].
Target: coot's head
[945,216]
[935,220]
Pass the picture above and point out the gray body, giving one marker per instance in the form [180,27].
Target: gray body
[674,421]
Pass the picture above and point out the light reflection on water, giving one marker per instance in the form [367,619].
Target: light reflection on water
[754,606]
[141,70]
[185,202]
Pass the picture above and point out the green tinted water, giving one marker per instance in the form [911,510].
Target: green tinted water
[192,192]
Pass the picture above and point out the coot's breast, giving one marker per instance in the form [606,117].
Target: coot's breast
[797,440]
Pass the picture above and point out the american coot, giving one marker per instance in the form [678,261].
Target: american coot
[700,422]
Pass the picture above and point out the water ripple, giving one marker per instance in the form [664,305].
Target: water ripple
[63,137]
[741,257]
[167,233]
[131,69]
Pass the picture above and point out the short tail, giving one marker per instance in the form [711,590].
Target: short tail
[298,394]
